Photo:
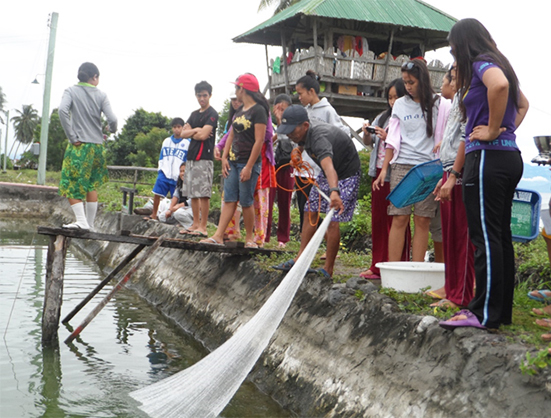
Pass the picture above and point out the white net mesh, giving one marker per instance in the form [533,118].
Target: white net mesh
[204,389]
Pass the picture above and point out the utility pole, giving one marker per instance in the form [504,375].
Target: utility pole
[41,179]
[6,141]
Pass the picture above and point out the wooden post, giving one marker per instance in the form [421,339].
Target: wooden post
[53,294]
[268,72]
[284,62]
[315,35]
[387,62]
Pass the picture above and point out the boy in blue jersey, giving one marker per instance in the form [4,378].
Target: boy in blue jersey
[173,154]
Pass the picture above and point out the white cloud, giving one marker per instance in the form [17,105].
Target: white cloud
[537,178]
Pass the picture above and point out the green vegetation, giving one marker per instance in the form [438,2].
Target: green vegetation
[122,150]
[533,364]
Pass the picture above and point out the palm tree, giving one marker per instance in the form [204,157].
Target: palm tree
[2,101]
[281,4]
[24,125]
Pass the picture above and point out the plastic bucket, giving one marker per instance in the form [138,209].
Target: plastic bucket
[410,276]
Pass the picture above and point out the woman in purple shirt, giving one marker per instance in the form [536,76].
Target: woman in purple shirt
[494,107]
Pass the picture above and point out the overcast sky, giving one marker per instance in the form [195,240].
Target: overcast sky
[151,54]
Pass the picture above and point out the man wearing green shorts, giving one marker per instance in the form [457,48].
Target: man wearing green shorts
[84,168]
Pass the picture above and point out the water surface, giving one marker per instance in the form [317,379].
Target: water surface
[127,346]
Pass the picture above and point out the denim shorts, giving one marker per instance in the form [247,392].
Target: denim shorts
[164,185]
[237,191]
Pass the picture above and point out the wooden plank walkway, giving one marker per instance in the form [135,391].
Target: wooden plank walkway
[182,244]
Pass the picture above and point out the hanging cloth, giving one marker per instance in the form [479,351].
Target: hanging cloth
[276,68]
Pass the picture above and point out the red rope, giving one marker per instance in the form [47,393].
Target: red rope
[305,171]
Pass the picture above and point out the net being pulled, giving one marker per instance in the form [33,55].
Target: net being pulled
[204,389]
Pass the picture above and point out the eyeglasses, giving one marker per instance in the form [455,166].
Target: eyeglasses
[408,66]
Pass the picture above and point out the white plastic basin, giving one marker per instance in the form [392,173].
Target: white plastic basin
[410,276]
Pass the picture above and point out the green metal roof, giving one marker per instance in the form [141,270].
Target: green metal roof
[414,14]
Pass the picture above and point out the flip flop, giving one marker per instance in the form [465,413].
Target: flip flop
[544,297]
[285,266]
[324,273]
[251,244]
[211,241]
[445,304]
[545,322]
[196,234]
[433,294]
[366,276]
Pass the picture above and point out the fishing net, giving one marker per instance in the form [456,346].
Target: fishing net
[204,389]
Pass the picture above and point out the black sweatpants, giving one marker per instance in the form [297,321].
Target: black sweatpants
[489,183]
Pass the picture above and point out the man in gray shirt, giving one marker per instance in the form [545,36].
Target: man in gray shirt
[335,153]
[84,168]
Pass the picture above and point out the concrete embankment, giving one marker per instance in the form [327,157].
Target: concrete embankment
[334,355]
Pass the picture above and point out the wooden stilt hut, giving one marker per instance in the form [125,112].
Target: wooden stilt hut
[356,46]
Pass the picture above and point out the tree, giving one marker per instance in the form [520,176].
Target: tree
[2,101]
[57,142]
[120,150]
[148,147]
[223,117]
[24,125]
[281,4]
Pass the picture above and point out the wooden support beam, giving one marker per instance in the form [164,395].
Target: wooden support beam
[119,286]
[53,294]
[103,283]
[148,240]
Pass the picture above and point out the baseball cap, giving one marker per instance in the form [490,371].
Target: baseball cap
[292,117]
[248,82]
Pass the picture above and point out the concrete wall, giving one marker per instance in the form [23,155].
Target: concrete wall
[334,355]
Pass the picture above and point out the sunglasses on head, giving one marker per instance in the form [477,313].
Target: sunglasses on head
[408,66]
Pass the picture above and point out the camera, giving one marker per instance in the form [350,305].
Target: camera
[370,129]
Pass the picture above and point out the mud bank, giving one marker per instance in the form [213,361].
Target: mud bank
[333,355]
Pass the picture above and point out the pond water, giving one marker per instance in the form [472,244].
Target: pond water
[127,346]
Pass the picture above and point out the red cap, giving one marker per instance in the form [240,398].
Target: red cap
[248,82]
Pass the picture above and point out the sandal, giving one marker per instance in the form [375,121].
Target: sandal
[251,244]
[445,304]
[210,241]
[545,322]
[433,295]
[369,275]
[285,266]
[544,295]
[324,273]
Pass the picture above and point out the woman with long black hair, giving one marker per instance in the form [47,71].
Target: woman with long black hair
[380,220]
[241,160]
[416,126]
[493,107]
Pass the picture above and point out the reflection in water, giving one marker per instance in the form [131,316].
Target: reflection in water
[127,346]
[51,382]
